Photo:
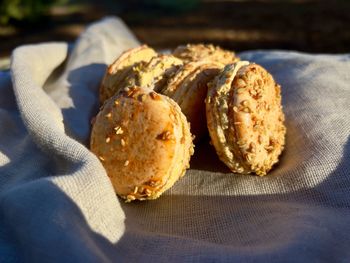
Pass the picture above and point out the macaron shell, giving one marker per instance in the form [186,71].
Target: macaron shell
[121,68]
[143,143]
[258,118]
[245,118]
[197,52]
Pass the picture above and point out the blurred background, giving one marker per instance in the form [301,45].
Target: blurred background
[316,26]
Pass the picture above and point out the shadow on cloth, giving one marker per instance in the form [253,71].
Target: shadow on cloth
[263,227]
[84,89]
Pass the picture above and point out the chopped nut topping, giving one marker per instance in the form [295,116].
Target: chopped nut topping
[118,130]
[248,157]
[135,189]
[130,92]
[246,110]
[154,183]
[154,95]
[240,169]
[241,82]
[244,103]
[130,198]
[252,92]
[165,136]
[268,148]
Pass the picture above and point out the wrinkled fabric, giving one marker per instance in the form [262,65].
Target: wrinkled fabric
[58,205]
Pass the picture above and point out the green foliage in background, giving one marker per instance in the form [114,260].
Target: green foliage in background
[25,10]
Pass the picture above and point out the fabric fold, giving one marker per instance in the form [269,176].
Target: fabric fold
[57,160]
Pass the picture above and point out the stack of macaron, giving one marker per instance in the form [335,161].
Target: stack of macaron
[154,105]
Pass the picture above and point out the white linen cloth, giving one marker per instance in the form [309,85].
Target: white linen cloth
[57,204]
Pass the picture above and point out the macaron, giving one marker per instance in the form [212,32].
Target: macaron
[188,87]
[197,52]
[121,68]
[245,118]
[143,141]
